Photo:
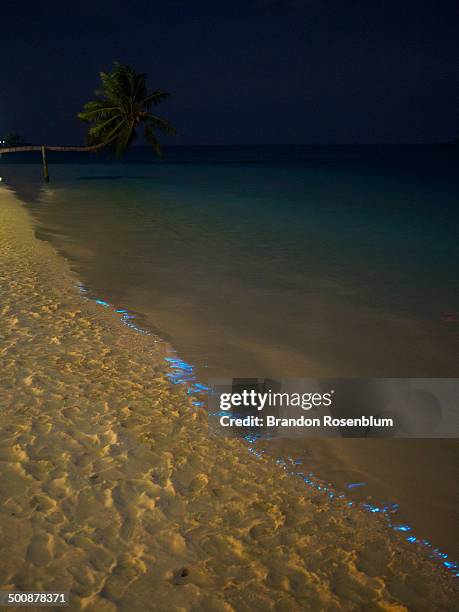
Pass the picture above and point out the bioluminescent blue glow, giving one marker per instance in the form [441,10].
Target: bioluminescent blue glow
[258,454]
[386,510]
[182,373]
[450,564]
[125,315]
[372,508]
[401,528]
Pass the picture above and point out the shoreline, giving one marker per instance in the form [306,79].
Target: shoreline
[112,488]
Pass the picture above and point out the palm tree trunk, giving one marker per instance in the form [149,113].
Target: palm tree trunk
[44,148]
[53,148]
[45,164]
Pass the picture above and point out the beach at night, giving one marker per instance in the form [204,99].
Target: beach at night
[113,490]
[229,306]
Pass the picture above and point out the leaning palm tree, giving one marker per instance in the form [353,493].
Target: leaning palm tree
[121,107]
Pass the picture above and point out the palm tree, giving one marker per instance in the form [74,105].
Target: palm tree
[122,104]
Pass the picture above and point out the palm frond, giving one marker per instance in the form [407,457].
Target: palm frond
[95,110]
[151,139]
[105,136]
[122,103]
[125,137]
[101,127]
[161,124]
[155,98]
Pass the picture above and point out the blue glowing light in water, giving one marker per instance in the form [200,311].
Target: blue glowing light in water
[450,564]
[125,315]
[372,508]
[386,510]
[201,387]
[401,528]
[179,364]
[182,373]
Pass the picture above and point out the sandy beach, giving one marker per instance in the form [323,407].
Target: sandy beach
[112,488]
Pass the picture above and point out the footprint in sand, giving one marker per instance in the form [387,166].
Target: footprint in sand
[40,551]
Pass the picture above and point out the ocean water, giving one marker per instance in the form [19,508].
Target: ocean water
[282,262]
[270,261]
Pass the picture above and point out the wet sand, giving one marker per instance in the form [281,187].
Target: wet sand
[112,488]
[420,475]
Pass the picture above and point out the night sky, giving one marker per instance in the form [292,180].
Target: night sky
[241,72]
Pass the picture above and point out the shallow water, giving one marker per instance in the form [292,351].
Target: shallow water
[277,268]
[283,263]
[420,476]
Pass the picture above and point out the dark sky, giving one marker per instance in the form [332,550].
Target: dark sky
[253,71]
